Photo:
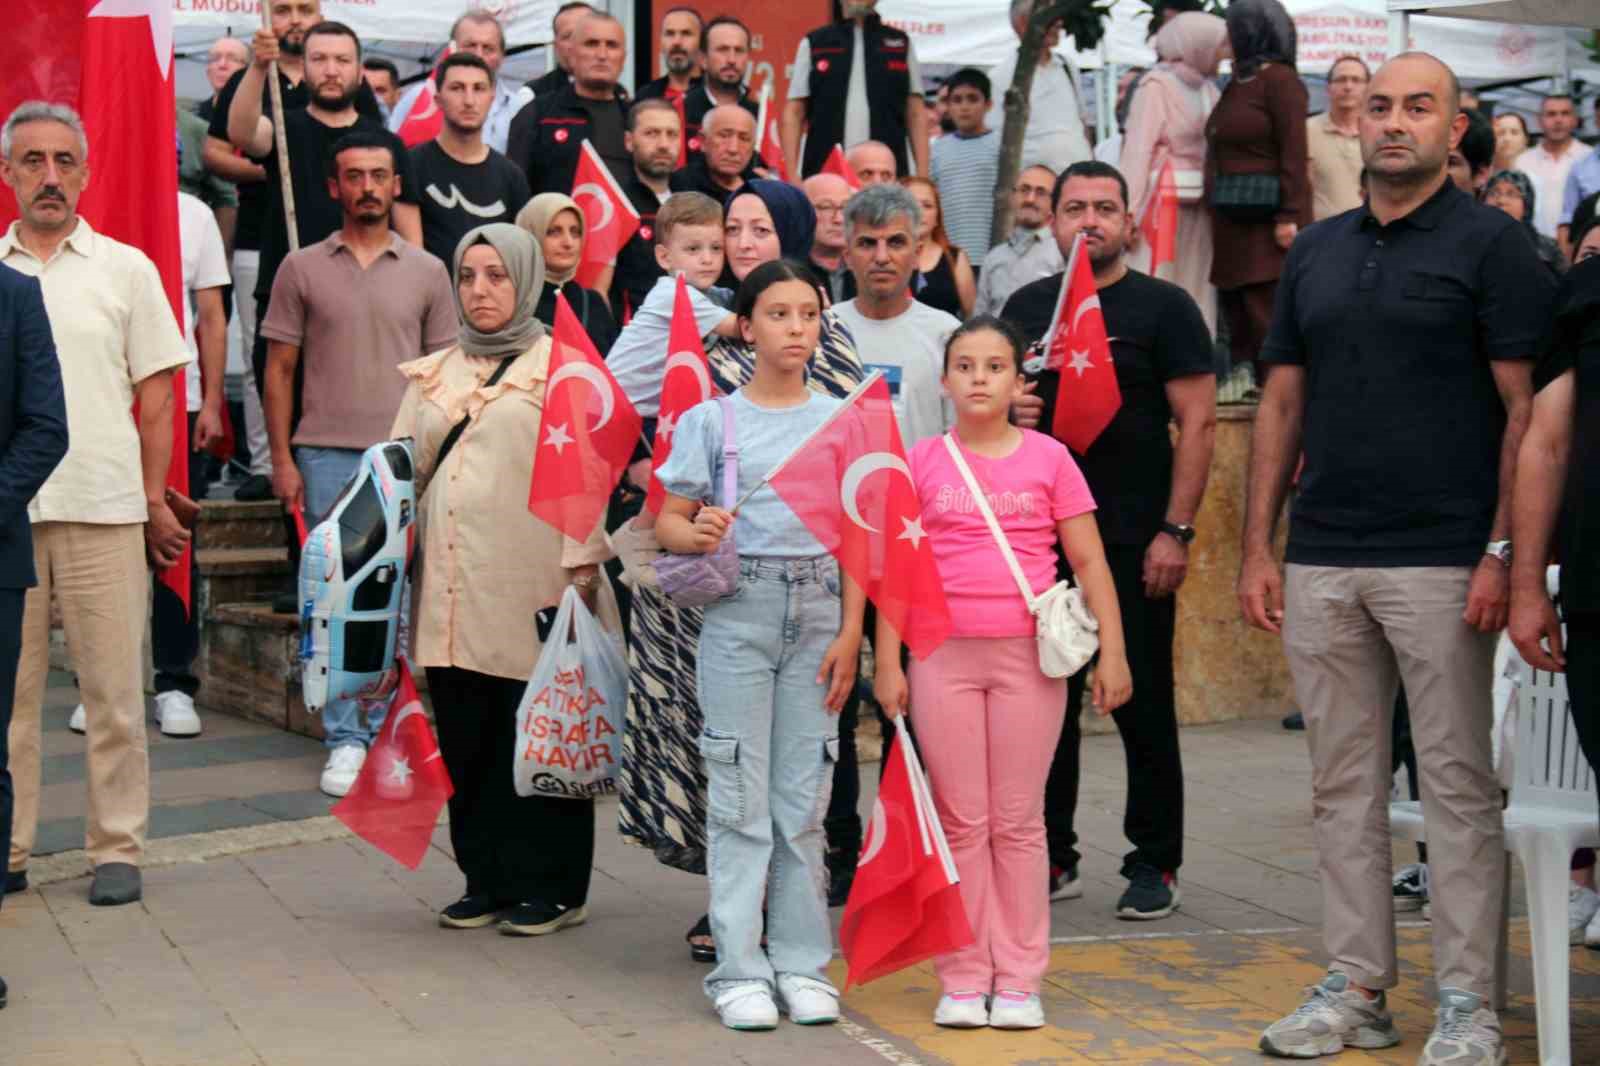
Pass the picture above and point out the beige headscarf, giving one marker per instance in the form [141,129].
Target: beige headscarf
[525,265]
[536,216]
[1188,45]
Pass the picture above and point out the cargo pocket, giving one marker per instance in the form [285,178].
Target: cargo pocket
[830,756]
[725,794]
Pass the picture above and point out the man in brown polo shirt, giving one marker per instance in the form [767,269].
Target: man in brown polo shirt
[349,309]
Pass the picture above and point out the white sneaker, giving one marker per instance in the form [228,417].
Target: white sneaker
[175,714]
[1591,935]
[344,765]
[1582,906]
[747,1007]
[79,722]
[807,1001]
[1015,1010]
[961,1010]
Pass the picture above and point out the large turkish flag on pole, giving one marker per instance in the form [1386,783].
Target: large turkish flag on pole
[112,61]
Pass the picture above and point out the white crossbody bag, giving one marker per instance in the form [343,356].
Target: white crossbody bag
[1067,633]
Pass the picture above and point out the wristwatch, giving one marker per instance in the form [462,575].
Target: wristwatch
[1182,534]
[1499,549]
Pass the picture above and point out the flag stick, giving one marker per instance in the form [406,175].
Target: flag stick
[809,437]
[281,136]
[1066,285]
[761,115]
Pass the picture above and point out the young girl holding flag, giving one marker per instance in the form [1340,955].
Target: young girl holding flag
[987,718]
[777,658]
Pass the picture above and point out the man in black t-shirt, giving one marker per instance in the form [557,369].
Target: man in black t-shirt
[655,138]
[1147,492]
[1398,368]
[462,183]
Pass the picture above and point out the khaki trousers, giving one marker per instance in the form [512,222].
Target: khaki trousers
[1351,635]
[99,576]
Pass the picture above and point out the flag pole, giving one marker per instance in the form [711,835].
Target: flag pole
[1066,285]
[281,136]
[809,437]
[761,115]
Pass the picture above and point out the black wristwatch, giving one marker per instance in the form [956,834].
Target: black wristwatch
[1182,534]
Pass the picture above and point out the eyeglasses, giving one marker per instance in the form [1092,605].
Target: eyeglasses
[829,208]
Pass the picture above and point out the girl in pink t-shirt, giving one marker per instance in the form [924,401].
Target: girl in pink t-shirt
[987,718]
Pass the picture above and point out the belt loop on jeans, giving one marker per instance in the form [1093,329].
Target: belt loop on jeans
[789,571]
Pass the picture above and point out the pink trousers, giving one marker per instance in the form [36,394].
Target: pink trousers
[987,722]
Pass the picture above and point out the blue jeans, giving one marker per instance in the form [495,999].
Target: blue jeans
[769,748]
[325,472]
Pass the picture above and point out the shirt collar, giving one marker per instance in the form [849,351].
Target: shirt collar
[80,240]
[1326,120]
[1426,215]
[1022,239]
[336,243]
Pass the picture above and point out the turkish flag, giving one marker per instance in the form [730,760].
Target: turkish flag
[850,485]
[587,432]
[770,146]
[1088,397]
[395,802]
[1160,223]
[691,384]
[836,163]
[424,120]
[609,217]
[112,61]
[905,905]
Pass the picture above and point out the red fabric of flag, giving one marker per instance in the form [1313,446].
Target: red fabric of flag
[685,382]
[1088,397]
[609,217]
[851,487]
[395,802]
[112,61]
[905,905]
[1159,226]
[836,163]
[587,432]
[424,120]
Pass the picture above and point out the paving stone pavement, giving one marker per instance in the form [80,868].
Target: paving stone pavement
[316,949]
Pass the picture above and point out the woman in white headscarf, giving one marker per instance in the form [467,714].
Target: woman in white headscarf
[1166,123]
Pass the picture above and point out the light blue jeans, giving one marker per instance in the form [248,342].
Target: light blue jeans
[769,748]
[325,472]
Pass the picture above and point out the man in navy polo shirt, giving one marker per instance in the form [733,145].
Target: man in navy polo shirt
[1399,362]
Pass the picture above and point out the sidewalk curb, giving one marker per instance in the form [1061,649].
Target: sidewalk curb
[195,847]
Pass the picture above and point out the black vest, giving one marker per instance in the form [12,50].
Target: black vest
[888,86]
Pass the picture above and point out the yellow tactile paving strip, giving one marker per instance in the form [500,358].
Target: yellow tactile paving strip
[1198,999]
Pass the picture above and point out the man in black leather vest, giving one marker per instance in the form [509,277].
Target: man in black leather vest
[853,81]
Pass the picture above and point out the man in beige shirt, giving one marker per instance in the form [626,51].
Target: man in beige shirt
[1333,140]
[104,506]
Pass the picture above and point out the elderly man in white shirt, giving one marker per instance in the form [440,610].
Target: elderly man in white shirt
[480,33]
[1030,253]
[1058,126]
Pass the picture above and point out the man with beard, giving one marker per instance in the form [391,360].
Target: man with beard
[725,50]
[680,51]
[547,135]
[461,181]
[1029,253]
[654,139]
[1148,491]
[729,159]
[350,309]
[1398,385]
[479,33]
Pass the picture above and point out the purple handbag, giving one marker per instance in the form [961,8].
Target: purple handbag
[697,579]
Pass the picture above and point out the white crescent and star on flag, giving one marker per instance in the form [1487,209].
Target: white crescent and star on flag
[558,436]
[850,486]
[159,12]
[591,191]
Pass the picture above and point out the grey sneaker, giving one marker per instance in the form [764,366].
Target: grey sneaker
[1333,1017]
[1465,1033]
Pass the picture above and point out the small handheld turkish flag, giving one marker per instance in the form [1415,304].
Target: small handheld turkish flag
[685,382]
[424,120]
[850,485]
[395,802]
[836,163]
[609,217]
[1088,397]
[771,147]
[1160,223]
[905,905]
[587,432]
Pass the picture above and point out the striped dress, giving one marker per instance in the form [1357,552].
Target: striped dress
[663,782]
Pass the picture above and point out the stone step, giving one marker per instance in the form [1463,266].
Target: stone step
[235,575]
[249,666]
[232,524]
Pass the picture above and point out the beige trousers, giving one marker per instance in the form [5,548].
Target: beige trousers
[99,576]
[1351,636]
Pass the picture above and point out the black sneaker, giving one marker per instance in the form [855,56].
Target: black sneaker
[16,881]
[1151,894]
[2,993]
[841,875]
[538,918]
[1411,887]
[1294,721]
[472,911]
[1065,883]
[255,488]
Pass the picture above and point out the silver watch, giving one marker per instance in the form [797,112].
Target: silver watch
[1499,549]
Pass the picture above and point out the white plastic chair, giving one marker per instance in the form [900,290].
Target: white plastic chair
[1552,812]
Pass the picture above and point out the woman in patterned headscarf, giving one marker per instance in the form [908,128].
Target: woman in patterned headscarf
[1512,192]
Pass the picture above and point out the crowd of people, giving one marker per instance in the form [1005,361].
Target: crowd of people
[1389,278]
